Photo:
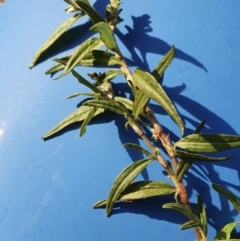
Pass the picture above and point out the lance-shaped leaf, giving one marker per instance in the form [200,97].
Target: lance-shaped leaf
[105,104]
[80,53]
[78,115]
[139,102]
[146,82]
[182,168]
[138,148]
[56,34]
[125,101]
[184,210]
[81,93]
[146,189]
[90,11]
[229,195]
[225,232]
[189,224]
[96,58]
[163,64]
[142,189]
[123,180]
[203,215]
[106,35]
[90,115]
[208,142]
[196,157]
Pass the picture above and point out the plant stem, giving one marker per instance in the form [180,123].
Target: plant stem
[164,138]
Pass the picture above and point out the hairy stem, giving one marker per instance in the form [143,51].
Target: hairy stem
[163,137]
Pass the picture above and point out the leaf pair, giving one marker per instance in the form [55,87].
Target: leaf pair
[225,232]
[150,88]
[202,143]
[80,53]
[96,18]
[81,114]
[96,58]
[124,190]
[140,190]
[195,221]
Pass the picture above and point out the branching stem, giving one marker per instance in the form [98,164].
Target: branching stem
[163,137]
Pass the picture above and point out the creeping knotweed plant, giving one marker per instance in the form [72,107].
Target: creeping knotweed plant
[103,51]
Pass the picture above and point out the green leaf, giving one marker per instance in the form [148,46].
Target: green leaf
[106,35]
[196,157]
[100,204]
[125,101]
[90,11]
[199,128]
[142,189]
[56,34]
[146,189]
[182,168]
[184,210]
[225,232]
[208,142]
[105,104]
[96,58]
[138,148]
[189,224]
[80,53]
[123,180]
[139,102]
[80,93]
[90,115]
[87,83]
[78,115]
[229,195]
[146,82]
[203,215]
[163,64]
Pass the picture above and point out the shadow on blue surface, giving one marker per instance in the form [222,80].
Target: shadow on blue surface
[138,38]
[201,175]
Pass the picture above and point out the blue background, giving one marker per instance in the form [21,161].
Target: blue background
[47,188]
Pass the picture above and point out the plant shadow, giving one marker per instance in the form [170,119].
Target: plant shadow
[137,38]
[201,175]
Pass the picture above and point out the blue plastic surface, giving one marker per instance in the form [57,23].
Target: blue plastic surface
[47,188]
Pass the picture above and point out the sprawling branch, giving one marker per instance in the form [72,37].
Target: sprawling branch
[158,132]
